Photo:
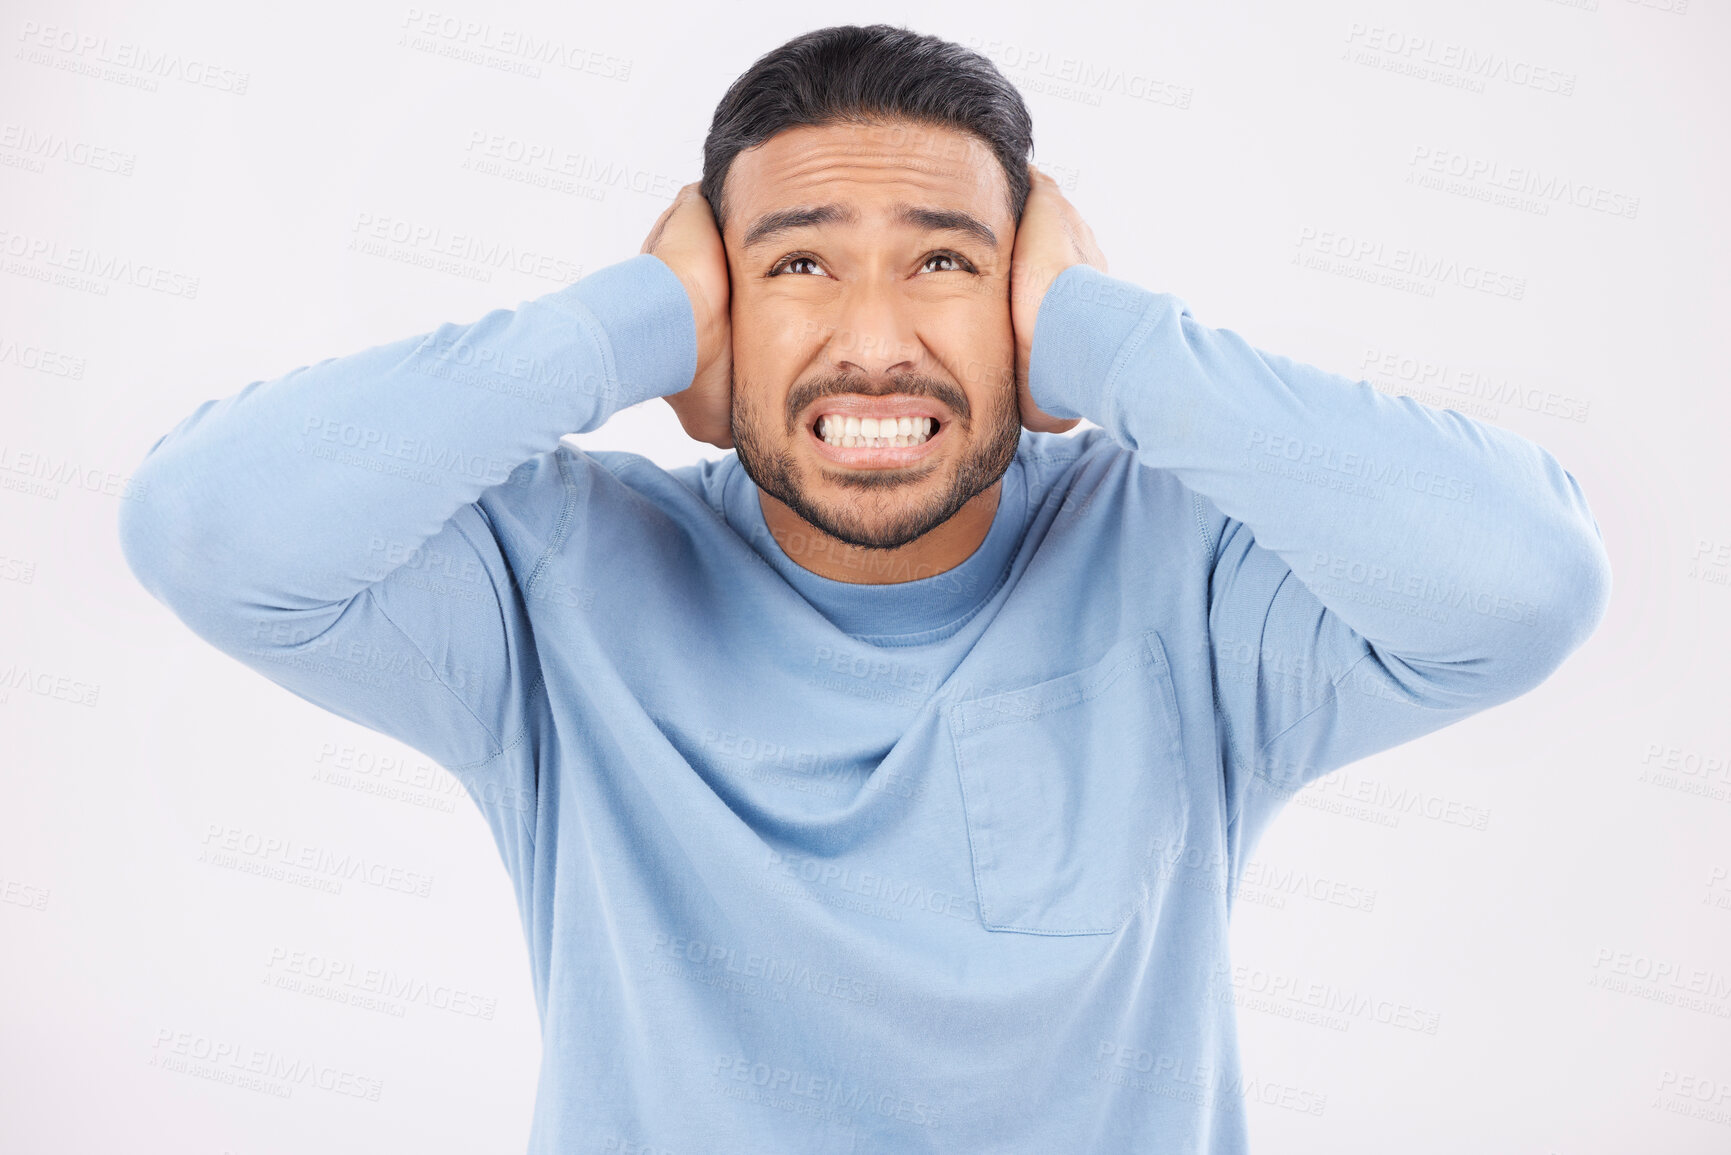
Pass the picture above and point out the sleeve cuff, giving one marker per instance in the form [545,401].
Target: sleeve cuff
[1084,321]
[640,317]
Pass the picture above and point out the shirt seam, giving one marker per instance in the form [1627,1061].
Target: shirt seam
[1211,546]
[528,696]
[434,666]
[561,529]
[597,335]
[1328,699]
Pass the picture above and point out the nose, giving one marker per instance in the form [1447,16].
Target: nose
[874,334]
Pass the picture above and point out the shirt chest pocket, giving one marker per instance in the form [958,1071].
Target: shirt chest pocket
[1070,787]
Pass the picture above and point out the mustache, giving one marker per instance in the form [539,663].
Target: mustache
[802,395]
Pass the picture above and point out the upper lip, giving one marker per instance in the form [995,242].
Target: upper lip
[887,405]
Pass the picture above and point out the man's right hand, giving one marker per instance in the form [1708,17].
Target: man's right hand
[685,240]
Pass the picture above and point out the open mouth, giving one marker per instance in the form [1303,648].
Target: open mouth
[875,432]
[849,432]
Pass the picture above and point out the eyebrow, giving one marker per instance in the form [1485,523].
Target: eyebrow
[948,221]
[771,225]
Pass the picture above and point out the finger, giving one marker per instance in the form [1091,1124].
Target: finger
[659,227]
[685,193]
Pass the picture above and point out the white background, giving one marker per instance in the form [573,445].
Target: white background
[1575,951]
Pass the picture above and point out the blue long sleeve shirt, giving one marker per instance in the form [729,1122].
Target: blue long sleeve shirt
[942,864]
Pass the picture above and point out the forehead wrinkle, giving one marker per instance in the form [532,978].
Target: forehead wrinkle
[920,175]
[818,164]
[822,170]
[906,210]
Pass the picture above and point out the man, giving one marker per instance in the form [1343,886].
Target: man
[880,786]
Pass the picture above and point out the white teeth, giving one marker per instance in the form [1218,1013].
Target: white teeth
[851,432]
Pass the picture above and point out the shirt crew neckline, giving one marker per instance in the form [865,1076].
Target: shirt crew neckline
[896,613]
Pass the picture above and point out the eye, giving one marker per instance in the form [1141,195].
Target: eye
[951,262]
[799,264]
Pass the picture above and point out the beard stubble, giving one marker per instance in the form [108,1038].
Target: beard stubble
[773,468]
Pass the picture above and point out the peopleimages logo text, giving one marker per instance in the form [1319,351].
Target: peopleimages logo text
[1411,263]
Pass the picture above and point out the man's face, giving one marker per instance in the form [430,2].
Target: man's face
[870,280]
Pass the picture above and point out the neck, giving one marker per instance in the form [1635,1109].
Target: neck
[940,549]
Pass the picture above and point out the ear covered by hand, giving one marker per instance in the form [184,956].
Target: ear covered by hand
[685,239]
[1052,237]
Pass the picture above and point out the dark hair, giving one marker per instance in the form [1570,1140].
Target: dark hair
[868,75]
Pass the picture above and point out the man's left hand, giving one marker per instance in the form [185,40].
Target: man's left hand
[1052,237]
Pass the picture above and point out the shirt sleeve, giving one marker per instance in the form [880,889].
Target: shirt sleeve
[326,528]
[1380,568]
